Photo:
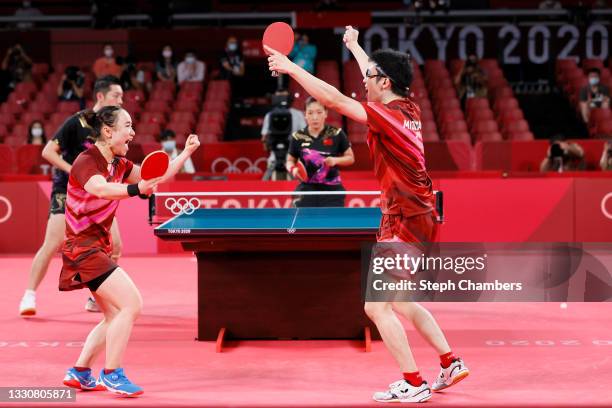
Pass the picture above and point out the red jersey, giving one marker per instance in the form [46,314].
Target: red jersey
[89,218]
[396,149]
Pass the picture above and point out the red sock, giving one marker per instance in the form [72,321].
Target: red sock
[414,378]
[107,371]
[447,359]
[81,369]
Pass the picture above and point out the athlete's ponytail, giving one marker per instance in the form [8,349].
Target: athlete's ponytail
[105,116]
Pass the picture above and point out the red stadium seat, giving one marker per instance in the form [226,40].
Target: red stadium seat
[480,114]
[198,86]
[521,136]
[68,106]
[489,137]
[165,85]
[29,117]
[505,104]
[148,128]
[454,126]
[58,118]
[188,117]
[145,138]
[476,103]
[7,160]
[180,128]
[186,106]
[4,132]
[604,128]
[20,130]
[11,108]
[215,128]
[157,106]
[458,136]
[215,106]
[484,126]
[29,159]
[42,106]
[26,88]
[7,120]
[162,95]
[516,126]
[133,108]
[196,96]
[15,141]
[592,63]
[153,117]
[134,95]
[598,114]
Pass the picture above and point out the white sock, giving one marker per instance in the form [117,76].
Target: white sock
[30,292]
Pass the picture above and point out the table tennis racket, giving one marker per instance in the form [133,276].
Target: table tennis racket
[154,165]
[278,36]
[301,173]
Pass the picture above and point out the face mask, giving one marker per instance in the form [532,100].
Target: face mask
[37,132]
[190,60]
[169,145]
[167,54]
[593,81]
[108,52]
[232,47]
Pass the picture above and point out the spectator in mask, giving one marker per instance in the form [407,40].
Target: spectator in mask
[304,53]
[106,65]
[232,64]
[168,142]
[191,69]
[36,133]
[594,95]
[165,68]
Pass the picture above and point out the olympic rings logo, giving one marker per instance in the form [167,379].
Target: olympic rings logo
[182,205]
[604,211]
[9,209]
[240,165]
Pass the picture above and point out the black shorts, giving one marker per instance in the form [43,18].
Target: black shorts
[336,200]
[58,203]
[95,283]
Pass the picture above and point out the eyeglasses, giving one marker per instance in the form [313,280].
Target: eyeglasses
[381,73]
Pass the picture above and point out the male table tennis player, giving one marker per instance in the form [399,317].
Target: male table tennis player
[407,199]
[72,138]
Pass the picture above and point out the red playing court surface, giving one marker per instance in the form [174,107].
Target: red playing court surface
[519,354]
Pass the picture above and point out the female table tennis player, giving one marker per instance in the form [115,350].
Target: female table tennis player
[323,149]
[99,178]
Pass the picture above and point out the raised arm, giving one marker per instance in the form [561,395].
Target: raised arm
[350,40]
[318,89]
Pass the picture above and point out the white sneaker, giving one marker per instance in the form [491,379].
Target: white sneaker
[451,375]
[403,391]
[91,305]
[27,307]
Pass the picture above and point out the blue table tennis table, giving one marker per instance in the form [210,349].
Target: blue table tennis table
[277,273]
[273,221]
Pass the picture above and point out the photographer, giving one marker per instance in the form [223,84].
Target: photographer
[471,80]
[594,95]
[563,156]
[606,157]
[279,124]
[18,65]
[70,87]
[131,77]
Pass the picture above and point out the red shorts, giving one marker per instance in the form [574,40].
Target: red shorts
[399,228]
[84,264]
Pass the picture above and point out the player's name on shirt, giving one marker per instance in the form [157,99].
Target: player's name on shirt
[414,125]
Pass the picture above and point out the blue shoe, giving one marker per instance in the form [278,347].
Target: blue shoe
[118,383]
[82,380]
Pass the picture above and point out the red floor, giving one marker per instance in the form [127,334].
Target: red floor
[519,354]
